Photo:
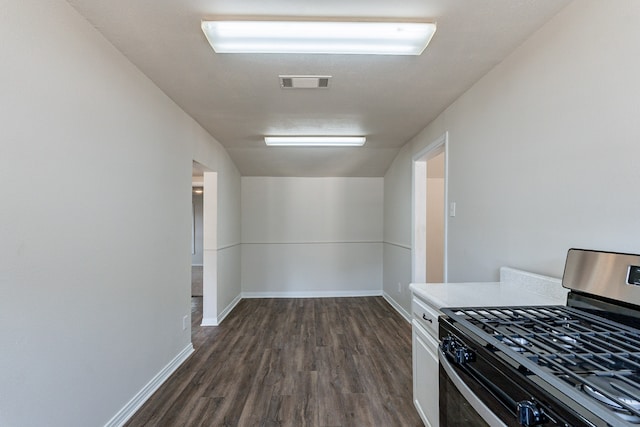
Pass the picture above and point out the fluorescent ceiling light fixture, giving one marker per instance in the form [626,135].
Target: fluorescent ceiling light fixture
[325,37]
[315,141]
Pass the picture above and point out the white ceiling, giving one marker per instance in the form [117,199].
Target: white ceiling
[238,99]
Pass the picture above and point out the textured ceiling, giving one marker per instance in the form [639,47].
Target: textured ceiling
[238,99]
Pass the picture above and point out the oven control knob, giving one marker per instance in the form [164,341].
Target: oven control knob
[530,414]
[457,351]
[464,355]
[448,344]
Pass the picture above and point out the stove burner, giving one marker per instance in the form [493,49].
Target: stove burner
[607,385]
[515,343]
[564,341]
[518,340]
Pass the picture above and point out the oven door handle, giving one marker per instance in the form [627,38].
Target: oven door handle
[467,393]
[489,385]
[527,412]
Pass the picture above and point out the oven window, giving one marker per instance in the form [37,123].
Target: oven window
[454,409]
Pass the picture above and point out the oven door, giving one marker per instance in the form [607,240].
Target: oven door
[459,404]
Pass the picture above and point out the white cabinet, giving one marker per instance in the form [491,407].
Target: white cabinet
[425,376]
[425,361]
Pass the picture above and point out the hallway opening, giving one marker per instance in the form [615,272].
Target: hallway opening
[429,219]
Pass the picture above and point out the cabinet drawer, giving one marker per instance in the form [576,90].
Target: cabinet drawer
[426,316]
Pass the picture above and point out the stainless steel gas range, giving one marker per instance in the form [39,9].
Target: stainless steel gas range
[573,365]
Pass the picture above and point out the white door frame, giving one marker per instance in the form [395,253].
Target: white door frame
[419,207]
[210,250]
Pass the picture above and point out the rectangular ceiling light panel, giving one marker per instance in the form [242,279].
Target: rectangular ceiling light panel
[315,141]
[323,37]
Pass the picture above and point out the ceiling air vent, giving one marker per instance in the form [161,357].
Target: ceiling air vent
[304,82]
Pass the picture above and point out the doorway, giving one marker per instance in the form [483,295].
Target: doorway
[197,197]
[429,228]
[208,181]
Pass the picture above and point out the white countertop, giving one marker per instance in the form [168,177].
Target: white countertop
[516,288]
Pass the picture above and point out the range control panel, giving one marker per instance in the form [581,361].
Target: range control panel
[633,276]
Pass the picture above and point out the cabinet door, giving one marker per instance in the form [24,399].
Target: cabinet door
[425,377]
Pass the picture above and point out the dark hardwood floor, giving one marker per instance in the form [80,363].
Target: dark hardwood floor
[292,362]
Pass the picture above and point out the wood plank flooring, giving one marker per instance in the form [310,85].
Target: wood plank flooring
[292,362]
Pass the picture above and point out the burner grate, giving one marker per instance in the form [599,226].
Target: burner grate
[592,354]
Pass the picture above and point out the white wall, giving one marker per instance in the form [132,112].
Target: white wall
[95,177]
[223,212]
[214,158]
[397,231]
[311,236]
[541,150]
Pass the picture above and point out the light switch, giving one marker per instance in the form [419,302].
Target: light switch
[452,209]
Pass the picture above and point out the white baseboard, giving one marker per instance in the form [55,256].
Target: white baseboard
[209,321]
[143,395]
[229,308]
[397,307]
[312,294]
[215,321]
